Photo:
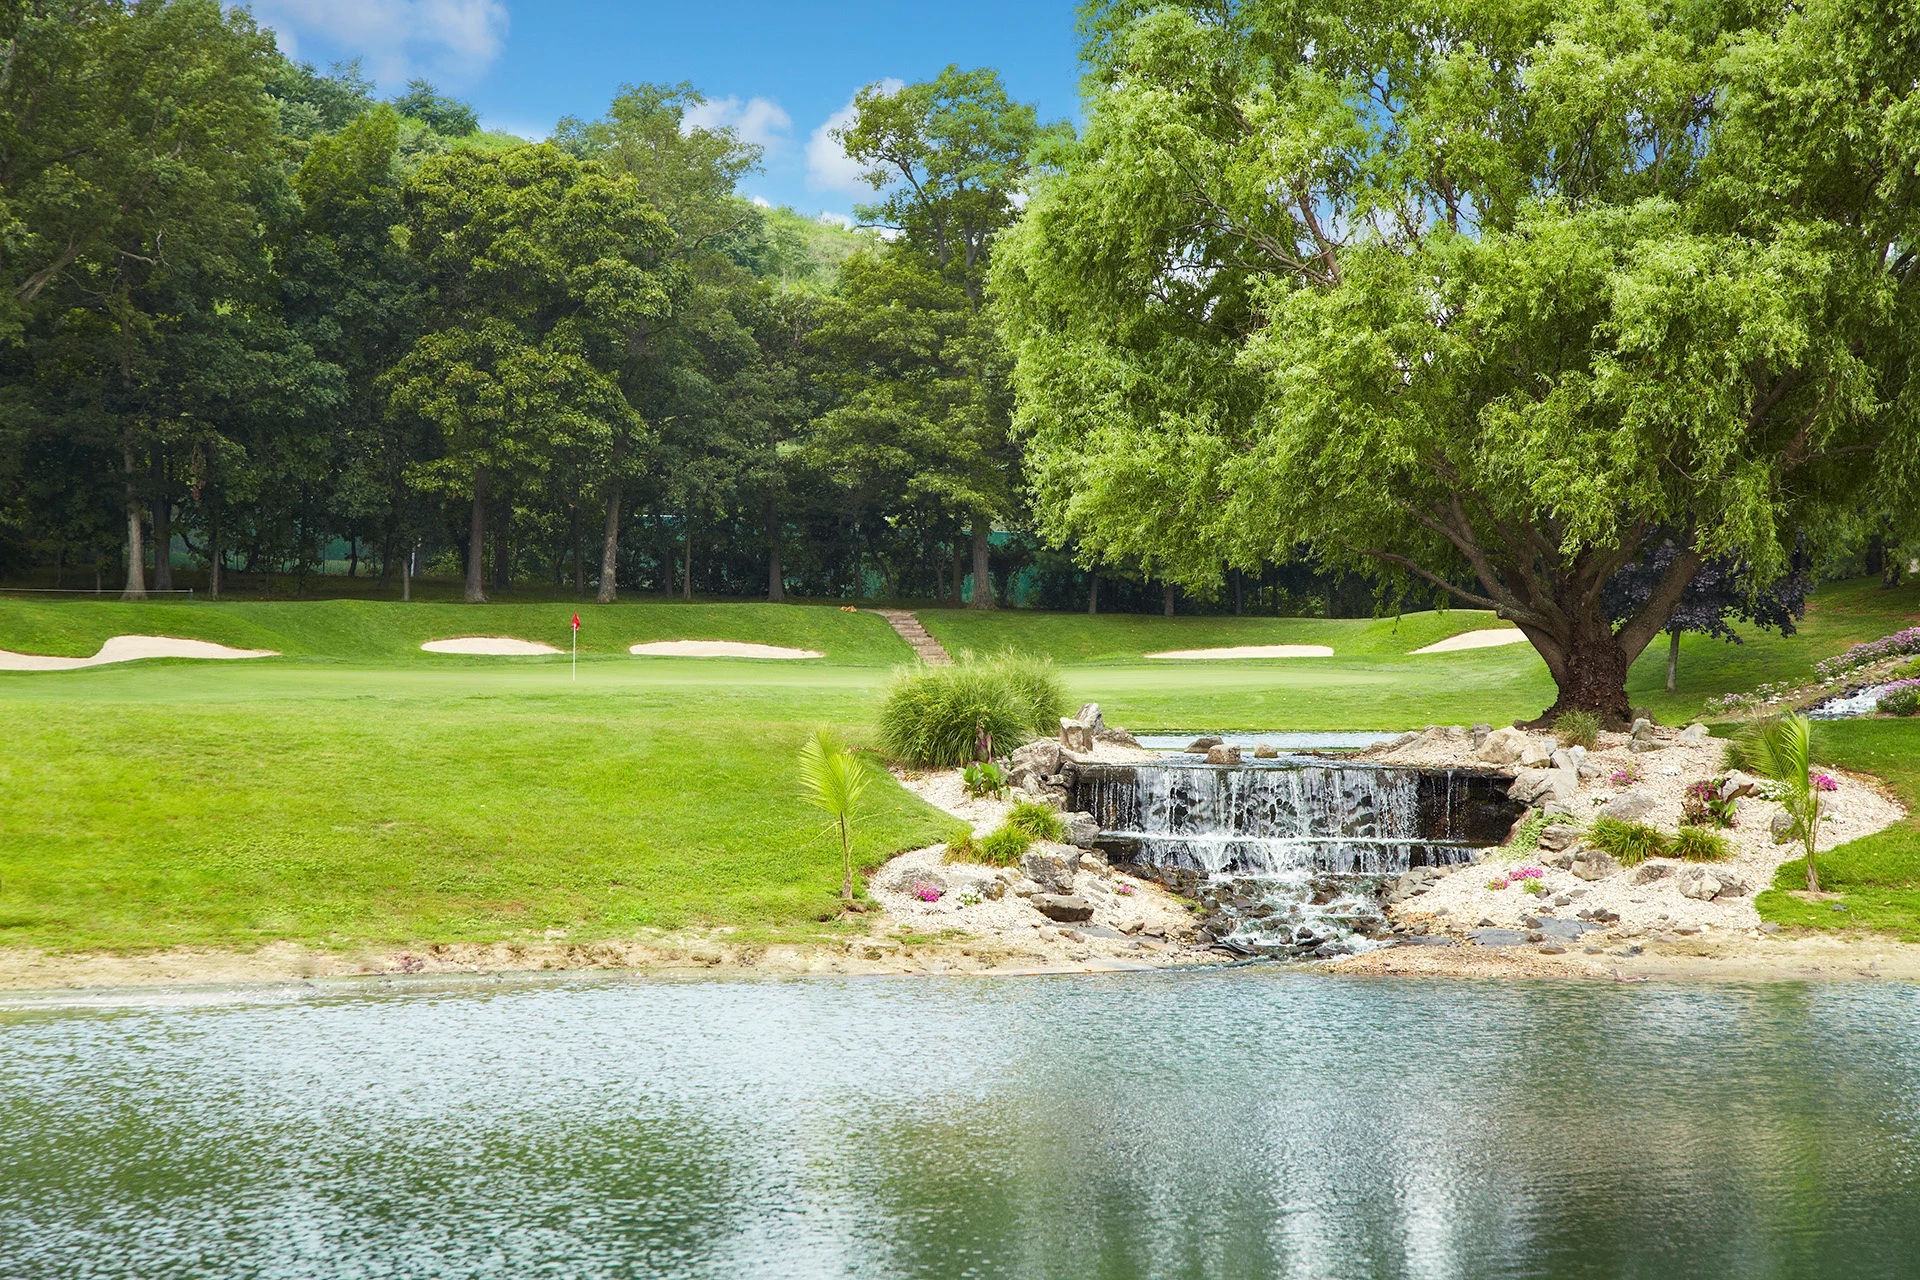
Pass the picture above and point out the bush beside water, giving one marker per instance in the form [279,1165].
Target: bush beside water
[934,715]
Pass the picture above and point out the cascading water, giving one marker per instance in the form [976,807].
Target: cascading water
[1291,856]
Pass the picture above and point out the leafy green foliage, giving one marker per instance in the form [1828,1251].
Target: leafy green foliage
[1782,749]
[983,778]
[1577,728]
[1040,821]
[1700,844]
[943,716]
[1527,838]
[834,779]
[1904,701]
[1631,843]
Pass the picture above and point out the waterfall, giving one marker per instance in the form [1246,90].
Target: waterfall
[1290,856]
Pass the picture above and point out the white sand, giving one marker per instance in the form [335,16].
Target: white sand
[718,649]
[1487,638]
[127,649]
[490,646]
[1249,651]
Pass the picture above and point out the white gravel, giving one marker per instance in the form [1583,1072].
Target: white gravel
[1462,900]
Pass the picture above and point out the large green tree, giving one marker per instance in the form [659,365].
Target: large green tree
[542,272]
[1479,294]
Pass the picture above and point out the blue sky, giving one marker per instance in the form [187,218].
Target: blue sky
[778,72]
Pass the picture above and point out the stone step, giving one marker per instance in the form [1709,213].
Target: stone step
[908,628]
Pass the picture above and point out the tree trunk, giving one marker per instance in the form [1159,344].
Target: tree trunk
[162,526]
[1673,660]
[136,548]
[686,580]
[610,547]
[579,552]
[406,576]
[1166,594]
[1093,594]
[1239,594]
[214,553]
[776,576]
[1590,674]
[982,578]
[353,556]
[477,540]
[959,573]
[502,520]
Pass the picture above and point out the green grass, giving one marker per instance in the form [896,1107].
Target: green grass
[392,632]
[1877,876]
[357,790]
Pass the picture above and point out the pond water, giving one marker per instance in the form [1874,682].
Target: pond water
[1230,1123]
[1329,741]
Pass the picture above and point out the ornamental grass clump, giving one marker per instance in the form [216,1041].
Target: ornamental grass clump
[1630,843]
[973,710]
[1040,821]
[1699,844]
[1577,729]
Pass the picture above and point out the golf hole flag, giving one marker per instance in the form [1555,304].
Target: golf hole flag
[576,644]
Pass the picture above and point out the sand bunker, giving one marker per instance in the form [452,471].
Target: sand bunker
[718,649]
[127,649]
[1489,638]
[1250,651]
[489,646]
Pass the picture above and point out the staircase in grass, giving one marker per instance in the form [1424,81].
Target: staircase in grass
[930,650]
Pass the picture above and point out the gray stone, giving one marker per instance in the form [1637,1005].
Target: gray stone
[1641,728]
[1497,937]
[1738,784]
[1595,864]
[1557,809]
[1708,883]
[1558,837]
[1531,786]
[1502,746]
[1536,755]
[1064,908]
[1629,806]
[1648,872]
[1223,753]
[909,878]
[1784,827]
[1640,746]
[1199,746]
[1082,830]
[1480,732]
[1563,759]
[1076,735]
[1116,736]
[1552,949]
[1416,881]
[1590,771]
[1090,716]
[1695,732]
[1051,866]
[1028,767]
[1578,752]
[1266,751]
[1562,859]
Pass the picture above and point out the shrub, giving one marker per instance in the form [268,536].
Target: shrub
[1861,655]
[1901,698]
[1577,729]
[1630,843]
[1004,847]
[935,716]
[1698,844]
[1036,687]
[1737,756]
[1040,821]
[1701,806]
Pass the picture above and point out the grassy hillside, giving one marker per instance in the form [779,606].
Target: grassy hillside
[1122,637]
[389,631]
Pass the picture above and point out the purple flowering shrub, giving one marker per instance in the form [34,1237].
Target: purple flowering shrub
[1872,651]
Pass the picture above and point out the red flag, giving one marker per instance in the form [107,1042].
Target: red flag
[576,622]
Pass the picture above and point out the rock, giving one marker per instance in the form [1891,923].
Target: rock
[1266,751]
[1416,881]
[1578,752]
[1590,771]
[1738,784]
[1498,937]
[1557,809]
[1694,733]
[1769,927]
[1559,836]
[1642,728]
[907,879]
[1200,746]
[1648,872]
[1076,735]
[1640,746]
[1065,908]
[1502,746]
[1082,830]
[1223,753]
[1028,767]
[1536,755]
[1707,883]
[1784,827]
[1051,866]
[1534,785]
[1552,949]
[1595,864]
[1630,806]
[1480,732]
[1090,716]
[1564,759]
[1563,859]
[1115,736]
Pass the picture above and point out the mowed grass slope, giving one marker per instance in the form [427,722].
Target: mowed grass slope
[1124,637]
[188,805]
[390,631]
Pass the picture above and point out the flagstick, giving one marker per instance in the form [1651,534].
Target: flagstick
[576,653]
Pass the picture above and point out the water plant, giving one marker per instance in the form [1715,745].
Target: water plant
[944,716]
[834,779]
[1630,843]
[1700,844]
[1782,749]
[1577,728]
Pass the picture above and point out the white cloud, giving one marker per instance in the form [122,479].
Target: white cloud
[828,167]
[398,39]
[832,219]
[761,202]
[757,120]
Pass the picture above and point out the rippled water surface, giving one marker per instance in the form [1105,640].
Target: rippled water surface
[1238,1123]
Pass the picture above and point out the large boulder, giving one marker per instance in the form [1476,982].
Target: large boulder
[1594,864]
[1028,767]
[1648,872]
[1480,732]
[1533,786]
[1066,908]
[1629,806]
[1559,836]
[1090,716]
[1416,881]
[1536,754]
[1223,753]
[1694,734]
[1737,784]
[1082,830]
[1708,883]
[1115,735]
[1502,746]
[1076,735]
[1199,746]
[1051,866]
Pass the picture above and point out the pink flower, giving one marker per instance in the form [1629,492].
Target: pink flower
[1821,782]
[926,893]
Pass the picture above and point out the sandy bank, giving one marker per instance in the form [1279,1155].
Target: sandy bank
[718,649]
[129,649]
[489,646]
[1247,651]
[1486,638]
